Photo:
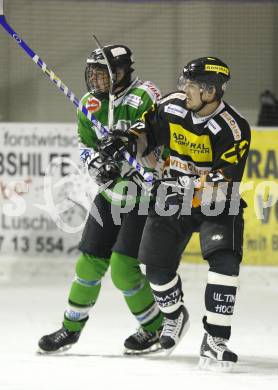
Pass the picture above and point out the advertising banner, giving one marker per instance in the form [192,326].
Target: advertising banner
[42,202]
[260,190]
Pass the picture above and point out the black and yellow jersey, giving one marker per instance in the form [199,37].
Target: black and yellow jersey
[199,145]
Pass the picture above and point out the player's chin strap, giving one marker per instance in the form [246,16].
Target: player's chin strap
[200,108]
[203,104]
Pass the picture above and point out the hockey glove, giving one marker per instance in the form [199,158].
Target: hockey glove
[182,184]
[135,177]
[177,188]
[103,171]
[116,143]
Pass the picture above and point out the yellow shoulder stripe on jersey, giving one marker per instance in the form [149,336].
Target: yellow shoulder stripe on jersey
[235,153]
[217,68]
[198,147]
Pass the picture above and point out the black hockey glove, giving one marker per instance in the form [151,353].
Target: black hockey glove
[135,177]
[175,189]
[116,143]
[103,170]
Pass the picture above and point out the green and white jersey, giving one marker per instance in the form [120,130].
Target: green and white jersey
[128,108]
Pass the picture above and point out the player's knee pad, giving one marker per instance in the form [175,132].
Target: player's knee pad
[225,262]
[90,269]
[126,273]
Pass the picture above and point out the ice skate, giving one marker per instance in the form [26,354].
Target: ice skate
[142,342]
[174,329]
[215,355]
[59,341]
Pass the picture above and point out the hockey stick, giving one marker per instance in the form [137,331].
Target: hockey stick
[111,94]
[100,130]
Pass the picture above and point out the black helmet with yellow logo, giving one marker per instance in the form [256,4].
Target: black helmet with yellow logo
[209,71]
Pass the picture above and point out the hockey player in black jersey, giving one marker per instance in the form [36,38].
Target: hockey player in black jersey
[208,142]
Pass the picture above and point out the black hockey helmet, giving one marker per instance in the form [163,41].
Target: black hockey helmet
[210,71]
[119,57]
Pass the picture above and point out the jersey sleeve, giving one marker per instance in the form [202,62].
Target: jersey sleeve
[86,133]
[156,124]
[147,144]
[149,95]
[230,152]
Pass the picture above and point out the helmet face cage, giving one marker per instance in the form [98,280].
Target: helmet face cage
[97,80]
[119,58]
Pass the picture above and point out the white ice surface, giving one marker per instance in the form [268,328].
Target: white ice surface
[33,307]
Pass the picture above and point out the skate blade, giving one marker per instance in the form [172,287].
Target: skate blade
[168,351]
[59,351]
[208,364]
[153,349]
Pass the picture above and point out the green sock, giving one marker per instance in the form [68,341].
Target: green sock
[127,277]
[84,290]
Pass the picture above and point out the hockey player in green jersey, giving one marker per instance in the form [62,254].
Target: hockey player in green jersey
[110,244]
